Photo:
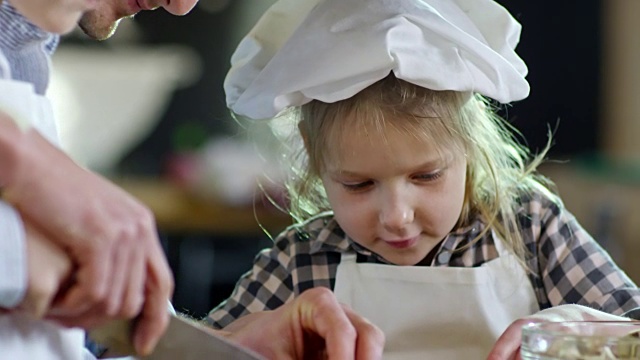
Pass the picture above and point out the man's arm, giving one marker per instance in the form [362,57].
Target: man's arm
[13,263]
[121,270]
[13,260]
[48,272]
[34,269]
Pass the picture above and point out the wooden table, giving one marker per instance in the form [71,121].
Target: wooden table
[179,211]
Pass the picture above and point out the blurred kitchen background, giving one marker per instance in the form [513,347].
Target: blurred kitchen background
[147,109]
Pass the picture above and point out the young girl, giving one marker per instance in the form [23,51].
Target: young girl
[417,205]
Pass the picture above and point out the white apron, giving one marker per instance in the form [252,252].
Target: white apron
[438,313]
[20,336]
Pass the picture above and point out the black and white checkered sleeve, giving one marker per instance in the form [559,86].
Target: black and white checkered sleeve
[574,268]
[265,287]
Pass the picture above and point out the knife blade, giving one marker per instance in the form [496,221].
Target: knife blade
[184,339]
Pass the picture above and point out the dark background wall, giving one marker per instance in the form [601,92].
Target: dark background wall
[560,42]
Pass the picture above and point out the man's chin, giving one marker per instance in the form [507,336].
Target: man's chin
[96,30]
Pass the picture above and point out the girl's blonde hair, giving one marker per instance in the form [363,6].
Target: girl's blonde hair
[499,169]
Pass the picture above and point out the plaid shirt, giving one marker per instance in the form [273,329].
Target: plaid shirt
[568,266]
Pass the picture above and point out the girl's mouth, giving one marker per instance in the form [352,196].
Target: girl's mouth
[403,244]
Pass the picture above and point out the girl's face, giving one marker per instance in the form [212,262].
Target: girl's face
[397,198]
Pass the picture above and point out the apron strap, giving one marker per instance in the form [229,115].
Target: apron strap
[499,244]
[348,258]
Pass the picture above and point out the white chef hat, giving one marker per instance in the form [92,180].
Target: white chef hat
[330,50]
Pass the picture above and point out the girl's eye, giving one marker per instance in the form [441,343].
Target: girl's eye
[358,186]
[429,176]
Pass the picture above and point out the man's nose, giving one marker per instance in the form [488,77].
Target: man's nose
[179,7]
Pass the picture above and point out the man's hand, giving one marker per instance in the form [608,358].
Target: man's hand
[313,326]
[508,345]
[121,270]
[48,270]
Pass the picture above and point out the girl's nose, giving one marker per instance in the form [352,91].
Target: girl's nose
[179,7]
[396,212]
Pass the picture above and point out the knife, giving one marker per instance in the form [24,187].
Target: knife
[184,339]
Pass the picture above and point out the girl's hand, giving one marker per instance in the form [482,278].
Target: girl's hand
[313,326]
[508,345]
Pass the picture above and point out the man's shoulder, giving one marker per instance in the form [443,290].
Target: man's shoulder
[17,32]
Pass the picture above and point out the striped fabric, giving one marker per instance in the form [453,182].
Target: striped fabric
[25,50]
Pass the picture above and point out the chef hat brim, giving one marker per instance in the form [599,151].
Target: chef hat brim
[329,50]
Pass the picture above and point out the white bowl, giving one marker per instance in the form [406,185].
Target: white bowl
[107,100]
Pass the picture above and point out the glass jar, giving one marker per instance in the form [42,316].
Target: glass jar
[581,340]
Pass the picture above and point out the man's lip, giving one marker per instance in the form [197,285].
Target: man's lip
[134,7]
[143,5]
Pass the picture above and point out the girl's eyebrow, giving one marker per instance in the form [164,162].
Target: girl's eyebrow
[430,164]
